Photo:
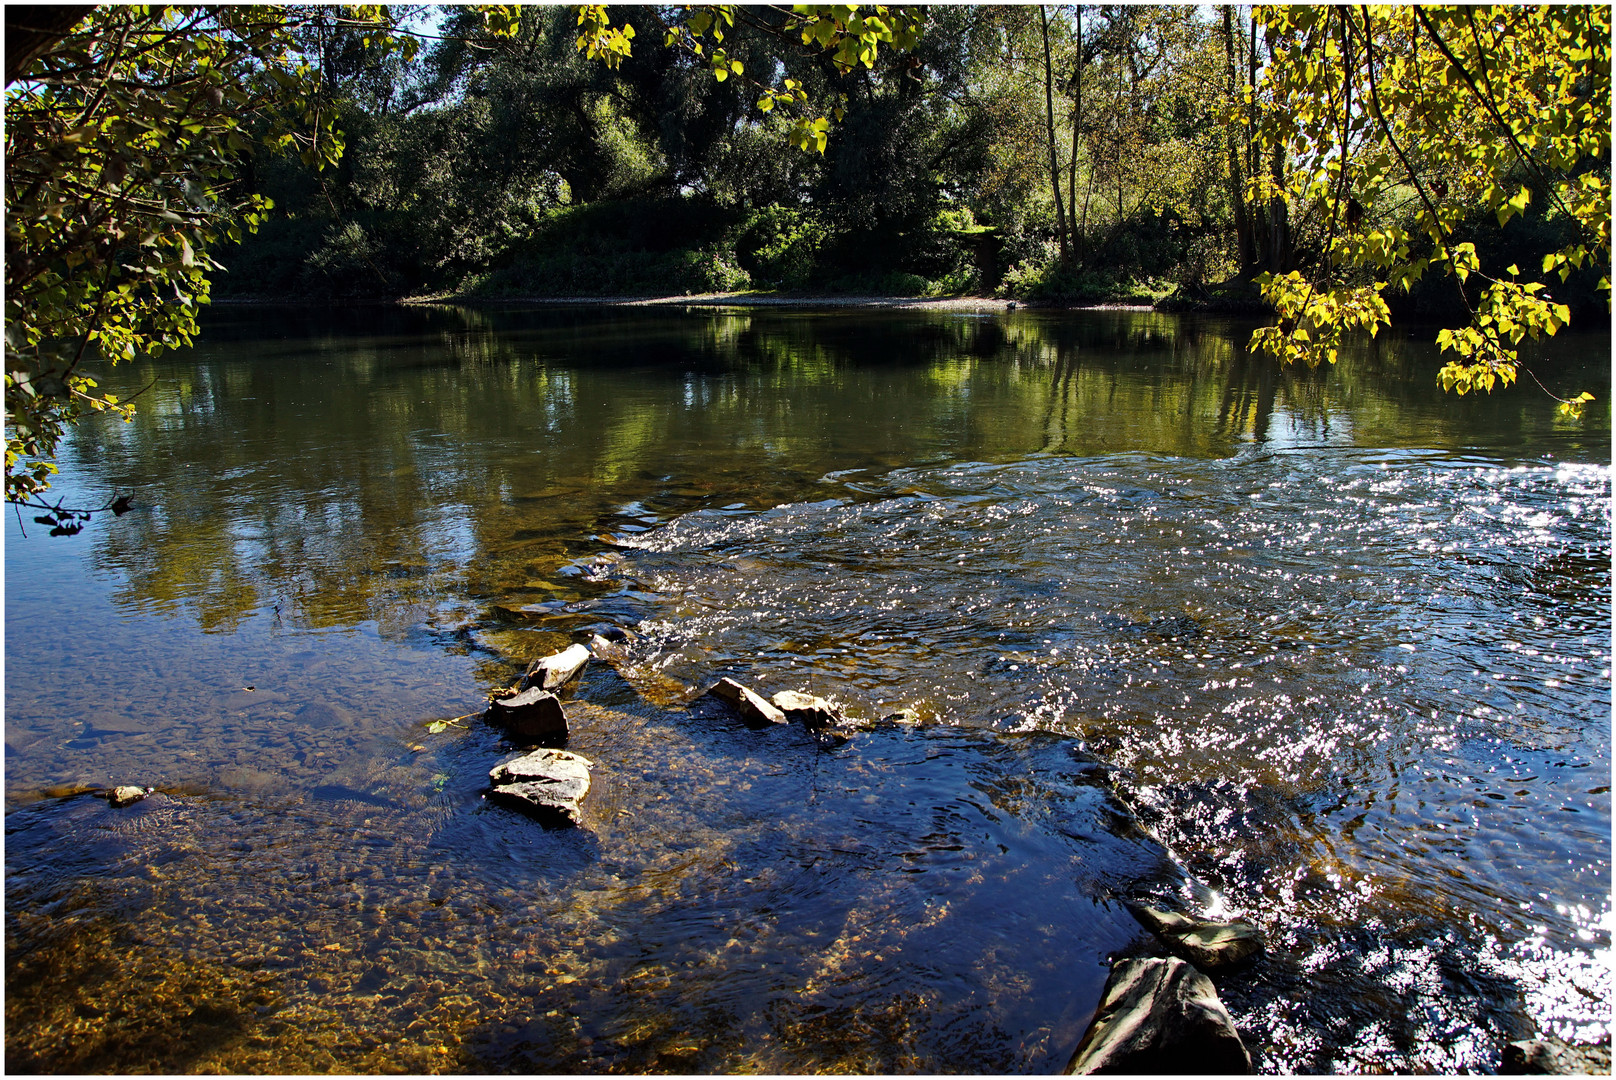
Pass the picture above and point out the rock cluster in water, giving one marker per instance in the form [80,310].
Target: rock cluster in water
[748,704]
[823,720]
[1157,1015]
[550,783]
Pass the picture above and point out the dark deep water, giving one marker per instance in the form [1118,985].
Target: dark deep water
[1124,613]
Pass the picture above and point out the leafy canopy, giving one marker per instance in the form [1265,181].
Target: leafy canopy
[1395,123]
[849,36]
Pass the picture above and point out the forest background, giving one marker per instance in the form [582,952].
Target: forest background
[1056,153]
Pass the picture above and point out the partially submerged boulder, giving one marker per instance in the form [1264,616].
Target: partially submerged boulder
[531,718]
[546,783]
[556,670]
[1206,944]
[757,712]
[806,709]
[1160,1016]
[126,795]
[1551,1056]
[824,720]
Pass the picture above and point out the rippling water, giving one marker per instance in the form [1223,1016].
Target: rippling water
[1367,691]
[1119,612]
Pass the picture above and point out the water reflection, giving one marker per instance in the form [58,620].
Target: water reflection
[1340,644]
[344,479]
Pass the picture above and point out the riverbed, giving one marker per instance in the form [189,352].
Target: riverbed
[1118,611]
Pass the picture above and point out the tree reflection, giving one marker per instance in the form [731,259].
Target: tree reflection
[415,465]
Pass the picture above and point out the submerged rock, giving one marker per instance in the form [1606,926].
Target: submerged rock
[1206,944]
[1549,1055]
[652,684]
[547,783]
[126,795]
[757,712]
[556,670]
[1160,1016]
[532,717]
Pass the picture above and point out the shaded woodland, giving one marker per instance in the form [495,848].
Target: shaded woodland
[1056,153]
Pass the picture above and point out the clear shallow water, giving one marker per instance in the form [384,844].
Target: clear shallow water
[1339,645]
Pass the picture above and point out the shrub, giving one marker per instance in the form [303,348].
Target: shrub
[780,246]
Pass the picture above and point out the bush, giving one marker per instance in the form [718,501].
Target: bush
[1050,282]
[713,269]
[780,246]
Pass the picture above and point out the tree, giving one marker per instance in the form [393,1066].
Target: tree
[1396,124]
[125,133]
[1262,233]
[844,36]
[1154,146]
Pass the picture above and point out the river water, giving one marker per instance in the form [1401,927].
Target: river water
[1119,612]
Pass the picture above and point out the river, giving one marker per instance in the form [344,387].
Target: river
[1119,612]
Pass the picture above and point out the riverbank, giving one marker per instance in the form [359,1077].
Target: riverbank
[779,300]
[719,299]
[1219,302]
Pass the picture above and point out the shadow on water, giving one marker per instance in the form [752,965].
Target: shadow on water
[920,900]
[1324,649]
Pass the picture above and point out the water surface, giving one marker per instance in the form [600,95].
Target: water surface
[1120,611]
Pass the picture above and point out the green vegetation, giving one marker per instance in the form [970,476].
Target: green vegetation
[128,149]
[1337,165]
[1401,130]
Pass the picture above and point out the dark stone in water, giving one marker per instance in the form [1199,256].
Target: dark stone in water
[1160,1016]
[1549,1055]
[556,670]
[532,717]
[749,704]
[1208,945]
[546,783]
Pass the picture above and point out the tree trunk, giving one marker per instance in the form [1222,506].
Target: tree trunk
[1245,245]
[1279,231]
[1049,124]
[1077,120]
[1279,224]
